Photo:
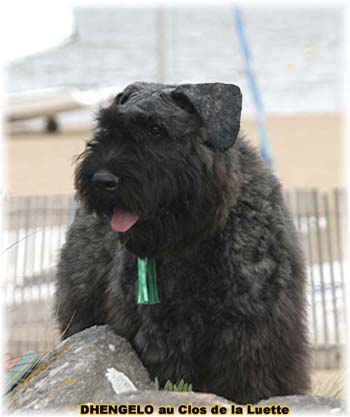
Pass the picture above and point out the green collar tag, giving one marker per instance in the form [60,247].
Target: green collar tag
[147,288]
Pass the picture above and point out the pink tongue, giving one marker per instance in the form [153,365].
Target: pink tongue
[123,220]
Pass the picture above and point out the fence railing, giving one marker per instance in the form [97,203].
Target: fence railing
[35,230]
[321,220]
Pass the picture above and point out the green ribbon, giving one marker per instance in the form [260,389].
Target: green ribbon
[147,285]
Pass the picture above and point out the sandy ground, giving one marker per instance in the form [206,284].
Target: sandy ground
[308,150]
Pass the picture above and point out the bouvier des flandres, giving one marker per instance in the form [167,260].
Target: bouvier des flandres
[168,186]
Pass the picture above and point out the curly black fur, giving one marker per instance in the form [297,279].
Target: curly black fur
[230,272]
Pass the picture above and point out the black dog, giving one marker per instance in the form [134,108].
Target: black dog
[166,177]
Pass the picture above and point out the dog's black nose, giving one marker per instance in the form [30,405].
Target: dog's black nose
[105,179]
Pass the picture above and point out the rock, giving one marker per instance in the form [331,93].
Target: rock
[307,403]
[164,398]
[97,366]
[91,366]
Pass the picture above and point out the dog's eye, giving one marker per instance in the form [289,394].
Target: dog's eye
[155,130]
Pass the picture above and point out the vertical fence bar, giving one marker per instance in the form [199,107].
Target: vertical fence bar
[311,266]
[331,266]
[26,215]
[20,316]
[38,299]
[14,228]
[26,241]
[63,212]
[44,239]
[71,210]
[298,212]
[16,225]
[321,269]
[38,245]
[52,211]
[339,241]
[10,277]
[30,276]
[50,221]
[287,199]
[5,242]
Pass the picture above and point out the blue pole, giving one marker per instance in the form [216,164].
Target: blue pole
[265,147]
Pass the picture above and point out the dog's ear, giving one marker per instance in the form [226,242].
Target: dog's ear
[218,106]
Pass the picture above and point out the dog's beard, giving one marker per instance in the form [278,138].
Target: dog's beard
[168,233]
[164,224]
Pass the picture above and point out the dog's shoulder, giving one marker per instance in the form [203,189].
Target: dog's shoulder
[261,210]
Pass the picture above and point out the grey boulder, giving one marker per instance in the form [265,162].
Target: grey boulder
[94,365]
[307,404]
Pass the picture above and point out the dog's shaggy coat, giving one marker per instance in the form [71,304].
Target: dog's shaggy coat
[231,317]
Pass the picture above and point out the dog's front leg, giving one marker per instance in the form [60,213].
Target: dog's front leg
[165,358]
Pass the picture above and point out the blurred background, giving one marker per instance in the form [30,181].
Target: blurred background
[288,60]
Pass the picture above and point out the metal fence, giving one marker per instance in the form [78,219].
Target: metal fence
[321,220]
[35,231]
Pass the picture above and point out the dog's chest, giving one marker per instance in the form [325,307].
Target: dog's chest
[189,314]
[189,293]
[193,301]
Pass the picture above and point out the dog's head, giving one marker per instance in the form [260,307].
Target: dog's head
[158,168]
